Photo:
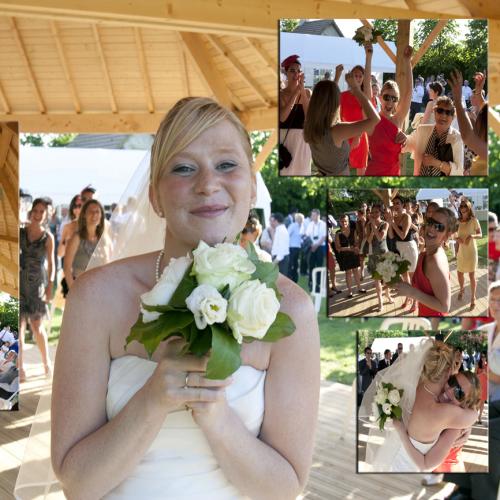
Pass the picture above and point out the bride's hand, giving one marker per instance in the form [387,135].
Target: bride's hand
[178,383]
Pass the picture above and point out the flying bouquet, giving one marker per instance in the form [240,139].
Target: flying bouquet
[222,297]
[389,267]
[386,404]
[365,34]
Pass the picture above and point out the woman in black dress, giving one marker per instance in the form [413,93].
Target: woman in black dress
[37,278]
[347,248]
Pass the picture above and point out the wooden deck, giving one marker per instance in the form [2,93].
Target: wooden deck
[334,462]
[474,453]
[367,304]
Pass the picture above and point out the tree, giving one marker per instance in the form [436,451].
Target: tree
[288,25]
[50,140]
[9,313]
[34,140]
[388,27]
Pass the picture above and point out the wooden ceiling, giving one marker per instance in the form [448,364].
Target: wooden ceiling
[9,208]
[116,66]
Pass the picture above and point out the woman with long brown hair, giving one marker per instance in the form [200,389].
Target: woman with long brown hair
[469,230]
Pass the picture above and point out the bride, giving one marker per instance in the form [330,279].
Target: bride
[124,426]
[433,422]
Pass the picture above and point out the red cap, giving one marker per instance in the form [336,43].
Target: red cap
[289,61]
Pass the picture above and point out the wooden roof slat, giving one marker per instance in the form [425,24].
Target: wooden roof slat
[9,265]
[183,69]
[266,59]
[4,101]
[9,239]
[196,49]
[428,42]
[105,70]
[64,63]
[237,66]
[27,64]
[266,150]
[144,70]
[9,289]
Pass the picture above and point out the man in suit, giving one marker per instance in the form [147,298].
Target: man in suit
[398,352]
[367,369]
[387,361]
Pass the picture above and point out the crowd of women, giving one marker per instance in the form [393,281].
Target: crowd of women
[363,128]
[419,234]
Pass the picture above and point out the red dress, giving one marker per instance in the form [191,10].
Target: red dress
[493,253]
[351,111]
[422,283]
[453,458]
[384,152]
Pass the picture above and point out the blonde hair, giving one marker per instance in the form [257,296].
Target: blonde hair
[184,123]
[438,363]
[391,85]
[473,399]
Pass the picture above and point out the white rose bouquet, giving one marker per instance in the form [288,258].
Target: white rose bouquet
[386,403]
[365,34]
[220,298]
[389,267]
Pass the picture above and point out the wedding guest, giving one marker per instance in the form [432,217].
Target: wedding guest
[250,234]
[416,97]
[361,222]
[281,243]
[6,336]
[482,373]
[387,361]
[466,93]
[87,193]
[469,230]
[347,250]
[435,90]
[367,369]
[316,230]
[294,103]
[295,234]
[266,239]
[37,269]
[328,133]
[493,251]
[398,352]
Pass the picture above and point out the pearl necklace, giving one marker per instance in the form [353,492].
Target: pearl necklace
[157,267]
[430,392]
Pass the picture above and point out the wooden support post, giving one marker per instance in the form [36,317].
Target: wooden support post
[403,39]
[266,150]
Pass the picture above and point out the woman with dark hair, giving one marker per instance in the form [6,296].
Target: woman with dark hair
[327,134]
[250,234]
[482,374]
[385,142]
[37,269]
[435,90]
[437,150]
[293,105]
[469,230]
[80,248]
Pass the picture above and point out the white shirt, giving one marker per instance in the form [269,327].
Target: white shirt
[418,94]
[466,92]
[7,336]
[281,243]
[316,231]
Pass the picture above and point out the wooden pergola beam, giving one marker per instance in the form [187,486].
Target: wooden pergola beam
[183,69]
[144,70]
[105,70]
[428,42]
[381,42]
[9,289]
[65,66]
[266,150]
[238,67]
[227,17]
[266,59]
[200,57]
[9,265]
[27,64]
[8,239]
[123,122]
[4,101]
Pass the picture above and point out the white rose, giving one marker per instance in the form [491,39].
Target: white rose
[380,397]
[207,305]
[252,310]
[224,264]
[394,397]
[386,408]
[162,292]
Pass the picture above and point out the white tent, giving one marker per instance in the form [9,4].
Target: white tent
[479,197]
[62,172]
[325,52]
[381,344]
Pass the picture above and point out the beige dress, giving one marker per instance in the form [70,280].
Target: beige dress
[467,253]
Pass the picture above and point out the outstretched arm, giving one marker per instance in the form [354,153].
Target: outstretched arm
[367,80]
[406,89]
[436,455]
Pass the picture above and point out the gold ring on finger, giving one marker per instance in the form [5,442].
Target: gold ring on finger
[186,381]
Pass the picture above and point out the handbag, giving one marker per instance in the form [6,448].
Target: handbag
[284,155]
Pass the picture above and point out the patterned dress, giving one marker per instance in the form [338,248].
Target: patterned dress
[33,276]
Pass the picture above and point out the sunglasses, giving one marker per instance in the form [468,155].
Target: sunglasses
[387,97]
[438,226]
[447,112]
[458,392]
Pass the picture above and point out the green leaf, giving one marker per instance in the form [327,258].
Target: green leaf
[381,422]
[283,326]
[225,292]
[160,309]
[151,334]
[225,356]
[186,286]
[397,412]
[201,340]
[265,272]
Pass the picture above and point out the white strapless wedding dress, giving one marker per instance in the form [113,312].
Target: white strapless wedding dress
[179,463]
[402,461]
